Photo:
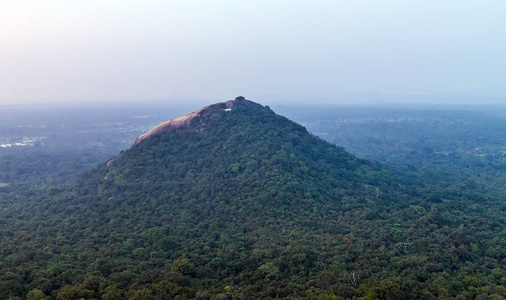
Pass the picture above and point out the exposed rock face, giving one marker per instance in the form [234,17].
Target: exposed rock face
[190,118]
[110,162]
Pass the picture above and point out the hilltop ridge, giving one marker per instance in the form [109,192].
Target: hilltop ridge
[190,118]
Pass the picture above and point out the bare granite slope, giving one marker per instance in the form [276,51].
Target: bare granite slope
[189,119]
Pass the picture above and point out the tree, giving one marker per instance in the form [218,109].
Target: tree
[35,294]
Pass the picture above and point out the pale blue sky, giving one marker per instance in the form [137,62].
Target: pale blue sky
[72,51]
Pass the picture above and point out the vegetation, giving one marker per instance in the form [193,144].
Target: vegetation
[247,204]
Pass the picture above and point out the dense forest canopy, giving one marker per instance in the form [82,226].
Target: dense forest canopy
[244,203]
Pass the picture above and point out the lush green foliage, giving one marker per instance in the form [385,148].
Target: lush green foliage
[39,167]
[247,204]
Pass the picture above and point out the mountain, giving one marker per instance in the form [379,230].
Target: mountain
[236,202]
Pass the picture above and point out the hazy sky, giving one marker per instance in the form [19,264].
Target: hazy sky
[338,50]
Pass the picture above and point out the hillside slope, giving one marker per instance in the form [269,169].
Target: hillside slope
[239,202]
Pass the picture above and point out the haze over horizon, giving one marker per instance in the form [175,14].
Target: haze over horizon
[269,51]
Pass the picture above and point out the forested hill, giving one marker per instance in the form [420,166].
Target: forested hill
[241,203]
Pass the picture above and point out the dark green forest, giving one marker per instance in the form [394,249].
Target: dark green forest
[246,204]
